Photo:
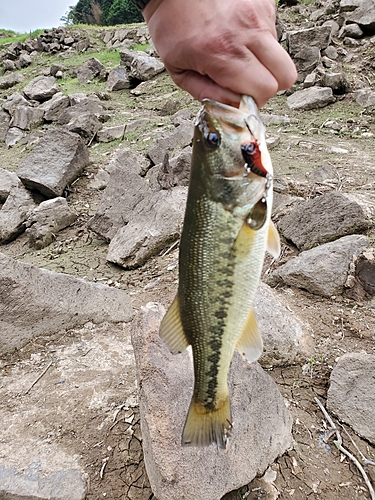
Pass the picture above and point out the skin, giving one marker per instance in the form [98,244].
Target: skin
[221,49]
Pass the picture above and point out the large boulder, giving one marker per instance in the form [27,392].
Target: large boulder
[14,213]
[56,161]
[311,98]
[318,36]
[323,270]
[41,88]
[351,395]
[38,302]
[361,12]
[165,387]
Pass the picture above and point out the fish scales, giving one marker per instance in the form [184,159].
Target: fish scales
[225,233]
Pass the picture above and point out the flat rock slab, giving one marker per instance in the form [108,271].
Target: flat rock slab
[323,270]
[323,219]
[56,161]
[286,338]
[39,302]
[351,395]
[311,98]
[261,422]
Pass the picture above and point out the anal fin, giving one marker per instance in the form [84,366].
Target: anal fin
[171,330]
[250,344]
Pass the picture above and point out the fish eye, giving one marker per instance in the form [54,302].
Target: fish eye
[212,139]
[258,215]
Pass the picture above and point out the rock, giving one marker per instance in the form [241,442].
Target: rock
[331,52]
[29,483]
[14,100]
[306,60]
[89,70]
[365,97]
[365,271]
[175,172]
[48,219]
[338,82]
[323,219]
[82,45]
[363,13]
[352,31]
[125,190]
[6,82]
[309,80]
[56,161]
[145,67]
[8,180]
[311,98]
[41,88]
[38,302]
[55,68]
[127,56]
[4,125]
[322,270]
[166,382]
[26,117]
[171,142]
[117,79]
[14,135]
[351,395]
[155,223]
[86,125]
[319,37]
[8,65]
[286,339]
[53,107]
[109,134]
[14,213]
[24,60]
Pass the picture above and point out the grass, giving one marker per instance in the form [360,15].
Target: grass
[18,37]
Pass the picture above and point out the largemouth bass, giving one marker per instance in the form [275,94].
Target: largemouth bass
[227,229]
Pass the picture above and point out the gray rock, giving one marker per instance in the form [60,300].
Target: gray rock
[365,97]
[8,65]
[26,117]
[323,270]
[166,382]
[352,31]
[8,180]
[6,82]
[26,484]
[311,98]
[4,125]
[331,52]
[109,134]
[127,56]
[41,88]
[335,27]
[155,222]
[14,135]
[309,80]
[117,79]
[89,70]
[86,125]
[174,172]
[363,13]
[53,107]
[25,60]
[351,395]
[55,68]
[286,339]
[48,219]
[306,60]
[323,219]
[80,103]
[38,302]
[57,160]
[124,191]
[145,67]
[171,142]
[14,100]
[82,45]
[338,82]
[319,37]
[14,213]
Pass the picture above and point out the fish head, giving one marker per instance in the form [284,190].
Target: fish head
[234,163]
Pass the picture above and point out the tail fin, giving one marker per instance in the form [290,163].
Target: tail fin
[203,427]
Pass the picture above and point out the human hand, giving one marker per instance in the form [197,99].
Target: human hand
[221,49]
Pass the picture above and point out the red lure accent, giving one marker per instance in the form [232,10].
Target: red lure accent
[252,156]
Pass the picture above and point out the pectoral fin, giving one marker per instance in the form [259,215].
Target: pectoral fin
[273,241]
[250,344]
[171,330]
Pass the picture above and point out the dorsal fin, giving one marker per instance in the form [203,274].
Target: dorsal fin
[171,330]
[250,344]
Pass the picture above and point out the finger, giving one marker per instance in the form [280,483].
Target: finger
[201,87]
[277,61]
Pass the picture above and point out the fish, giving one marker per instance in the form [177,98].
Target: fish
[227,229]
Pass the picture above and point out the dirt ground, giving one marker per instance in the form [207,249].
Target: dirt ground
[99,427]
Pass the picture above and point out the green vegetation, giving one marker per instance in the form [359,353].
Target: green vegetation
[9,36]
[103,13]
